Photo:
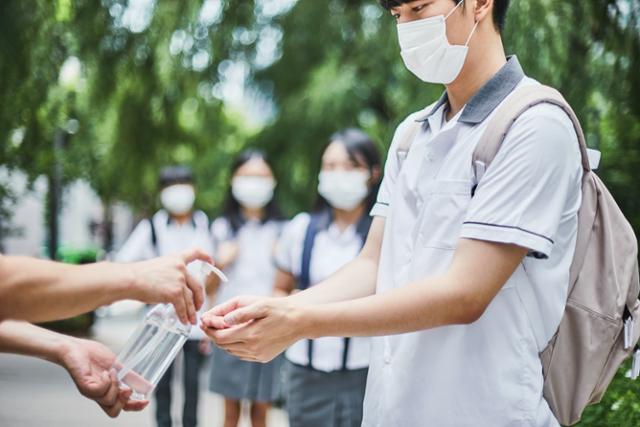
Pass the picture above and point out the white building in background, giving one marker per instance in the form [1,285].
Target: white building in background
[80,208]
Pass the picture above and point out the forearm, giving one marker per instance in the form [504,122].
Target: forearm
[355,280]
[418,306]
[29,340]
[39,290]
[477,273]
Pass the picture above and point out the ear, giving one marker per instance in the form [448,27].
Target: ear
[375,174]
[482,9]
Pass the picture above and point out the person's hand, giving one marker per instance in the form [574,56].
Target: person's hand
[89,365]
[254,328]
[227,253]
[166,280]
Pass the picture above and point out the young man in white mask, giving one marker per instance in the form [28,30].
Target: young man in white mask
[442,275]
[175,227]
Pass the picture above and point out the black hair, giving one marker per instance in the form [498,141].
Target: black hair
[232,211]
[363,152]
[176,174]
[500,8]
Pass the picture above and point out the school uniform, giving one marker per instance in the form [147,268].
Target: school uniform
[487,373]
[252,273]
[161,236]
[326,376]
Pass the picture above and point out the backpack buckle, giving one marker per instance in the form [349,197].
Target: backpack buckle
[635,365]
[628,328]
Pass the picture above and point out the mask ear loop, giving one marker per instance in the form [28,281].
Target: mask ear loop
[472,32]
[453,10]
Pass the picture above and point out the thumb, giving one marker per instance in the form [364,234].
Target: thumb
[98,388]
[196,254]
[246,314]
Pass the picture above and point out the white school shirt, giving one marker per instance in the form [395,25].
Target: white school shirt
[486,374]
[332,249]
[253,272]
[172,238]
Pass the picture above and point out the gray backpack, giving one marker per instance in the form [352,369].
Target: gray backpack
[596,333]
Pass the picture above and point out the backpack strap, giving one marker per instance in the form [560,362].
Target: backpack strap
[511,109]
[519,102]
[408,137]
[317,223]
[154,236]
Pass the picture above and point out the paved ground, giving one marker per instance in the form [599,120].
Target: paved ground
[36,393]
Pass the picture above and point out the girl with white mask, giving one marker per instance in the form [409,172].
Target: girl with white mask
[174,228]
[326,377]
[244,238]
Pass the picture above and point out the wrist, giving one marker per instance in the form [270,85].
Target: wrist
[60,347]
[306,320]
[128,285]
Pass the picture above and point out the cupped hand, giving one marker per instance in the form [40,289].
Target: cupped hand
[166,280]
[255,328]
[89,365]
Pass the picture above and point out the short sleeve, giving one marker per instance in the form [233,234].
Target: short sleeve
[289,246]
[392,168]
[532,184]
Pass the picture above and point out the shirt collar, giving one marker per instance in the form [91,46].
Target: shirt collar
[488,97]
[171,221]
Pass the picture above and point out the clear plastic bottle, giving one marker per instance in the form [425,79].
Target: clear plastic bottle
[154,345]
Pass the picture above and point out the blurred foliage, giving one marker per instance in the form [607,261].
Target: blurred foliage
[152,92]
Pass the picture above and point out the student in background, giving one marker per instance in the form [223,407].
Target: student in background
[244,241]
[173,228]
[327,376]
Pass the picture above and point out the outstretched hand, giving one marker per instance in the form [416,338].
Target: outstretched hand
[254,328]
[89,365]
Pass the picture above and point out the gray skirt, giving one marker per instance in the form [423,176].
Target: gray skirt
[325,399]
[239,380]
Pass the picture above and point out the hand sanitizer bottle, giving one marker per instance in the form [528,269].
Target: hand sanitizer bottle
[154,345]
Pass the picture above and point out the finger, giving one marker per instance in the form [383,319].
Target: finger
[224,308]
[110,398]
[135,405]
[194,254]
[181,308]
[215,322]
[125,394]
[113,410]
[209,332]
[191,308]
[197,289]
[228,336]
[97,389]
[246,314]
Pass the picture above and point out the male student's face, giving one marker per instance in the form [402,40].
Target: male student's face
[458,24]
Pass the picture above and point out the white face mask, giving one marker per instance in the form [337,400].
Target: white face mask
[253,192]
[178,199]
[344,189]
[426,51]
